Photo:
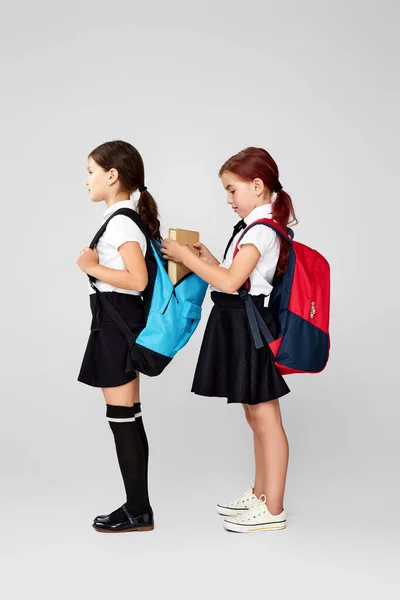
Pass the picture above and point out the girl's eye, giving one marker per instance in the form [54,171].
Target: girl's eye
[233,191]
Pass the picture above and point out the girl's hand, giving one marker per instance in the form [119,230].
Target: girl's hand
[174,251]
[205,254]
[87,259]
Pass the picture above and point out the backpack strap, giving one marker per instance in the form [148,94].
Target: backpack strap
[116,317]
[287,236]
[100,296]
[256,322]
[127,212]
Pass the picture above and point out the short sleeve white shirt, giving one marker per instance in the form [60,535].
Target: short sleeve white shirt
[267,242]
[120,229]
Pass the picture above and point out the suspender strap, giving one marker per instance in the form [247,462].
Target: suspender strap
[238,227]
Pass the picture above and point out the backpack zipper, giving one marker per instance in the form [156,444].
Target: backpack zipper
[183,279]
[313,310]
[176,297]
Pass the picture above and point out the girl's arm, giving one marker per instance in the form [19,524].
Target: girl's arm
[134,278]
[227,280]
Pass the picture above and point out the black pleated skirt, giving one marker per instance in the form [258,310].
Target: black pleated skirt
[229,364]
[106,360]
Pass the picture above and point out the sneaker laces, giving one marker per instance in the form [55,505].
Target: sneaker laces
[255,509]
[247,493]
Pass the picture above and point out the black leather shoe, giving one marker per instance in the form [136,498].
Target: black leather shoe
[121,520]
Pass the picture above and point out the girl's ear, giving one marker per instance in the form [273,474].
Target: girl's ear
[112,176]
[259,186]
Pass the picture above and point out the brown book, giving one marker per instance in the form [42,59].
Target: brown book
[177,270]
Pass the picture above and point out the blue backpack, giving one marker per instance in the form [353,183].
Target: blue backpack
[172,311]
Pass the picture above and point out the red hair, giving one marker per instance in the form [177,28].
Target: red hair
[252,163]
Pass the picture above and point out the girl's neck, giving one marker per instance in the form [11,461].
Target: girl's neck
[112,201]
[264,203]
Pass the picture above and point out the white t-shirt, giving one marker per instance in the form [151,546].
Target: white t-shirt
[120,229]
[267,242]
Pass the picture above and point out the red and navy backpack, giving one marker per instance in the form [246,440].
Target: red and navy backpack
[301,300]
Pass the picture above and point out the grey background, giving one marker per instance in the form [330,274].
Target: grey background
[189,84]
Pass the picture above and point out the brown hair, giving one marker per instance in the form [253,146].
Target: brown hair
[129,164]
[252,163]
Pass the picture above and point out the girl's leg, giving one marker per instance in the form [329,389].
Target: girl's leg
[131,454]
[273,452]
[122,395]
[140,427]
[259,476]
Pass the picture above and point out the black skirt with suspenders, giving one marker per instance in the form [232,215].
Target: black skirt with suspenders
[229,364]
[107,362]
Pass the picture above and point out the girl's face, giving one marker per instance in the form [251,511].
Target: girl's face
[244,196]
[98,181]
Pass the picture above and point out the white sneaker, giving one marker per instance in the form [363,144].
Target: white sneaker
[257,518]
[240,505]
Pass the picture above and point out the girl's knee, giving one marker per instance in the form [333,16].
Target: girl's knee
[122,395]
[265,415]
[247,414]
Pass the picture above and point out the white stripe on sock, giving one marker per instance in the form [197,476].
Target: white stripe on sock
[129,420]
[139,414]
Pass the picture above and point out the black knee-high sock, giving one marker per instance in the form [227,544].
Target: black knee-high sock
[131,457]
[143,437]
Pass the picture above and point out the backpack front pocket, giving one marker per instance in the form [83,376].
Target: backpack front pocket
[188,321]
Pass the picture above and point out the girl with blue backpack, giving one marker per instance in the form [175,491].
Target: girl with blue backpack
[230,364]
[117,270]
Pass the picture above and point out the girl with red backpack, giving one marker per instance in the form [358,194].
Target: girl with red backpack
[230,363]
